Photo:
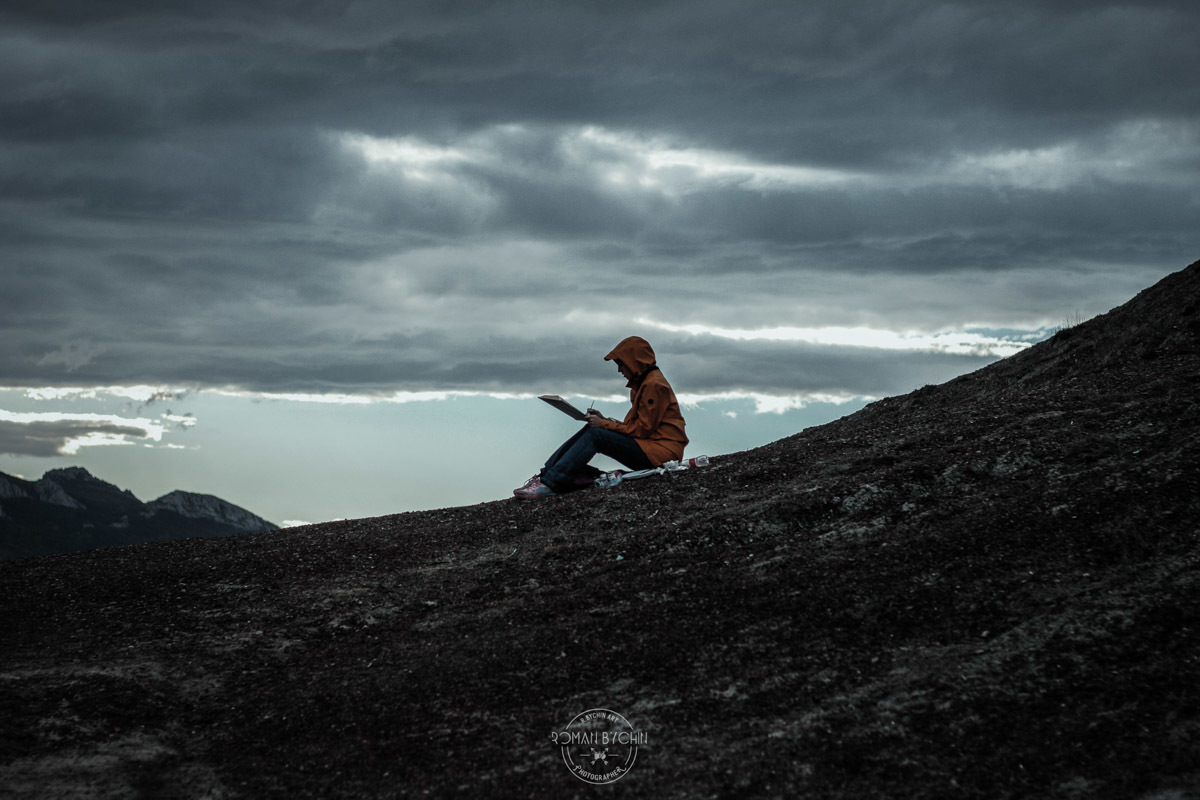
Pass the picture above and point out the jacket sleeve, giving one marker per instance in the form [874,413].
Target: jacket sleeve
[643,419]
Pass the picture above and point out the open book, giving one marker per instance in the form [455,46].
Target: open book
[564,406]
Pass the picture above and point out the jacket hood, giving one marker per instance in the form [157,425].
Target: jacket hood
[635,353]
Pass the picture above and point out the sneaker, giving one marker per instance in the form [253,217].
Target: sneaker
[534,491]
[529,484]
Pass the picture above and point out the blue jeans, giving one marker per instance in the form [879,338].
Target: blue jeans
[570,460]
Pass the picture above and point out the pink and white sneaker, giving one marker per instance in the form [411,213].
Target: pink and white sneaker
[529,484]
[533,489]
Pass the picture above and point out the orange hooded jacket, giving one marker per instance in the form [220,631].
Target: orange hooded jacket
[654,420]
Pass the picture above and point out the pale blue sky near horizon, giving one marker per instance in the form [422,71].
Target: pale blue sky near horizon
[318,258]
[296,461]
[293,461]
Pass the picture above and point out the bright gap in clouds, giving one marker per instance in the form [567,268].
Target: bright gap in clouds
[951,342]
[417,160]
[631,162]
[654,163]
[338,398]
[140,393]
[620,159]
[763,403]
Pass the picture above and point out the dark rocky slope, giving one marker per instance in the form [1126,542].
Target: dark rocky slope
[983,589]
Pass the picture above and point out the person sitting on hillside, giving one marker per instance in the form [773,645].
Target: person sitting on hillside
[652,432]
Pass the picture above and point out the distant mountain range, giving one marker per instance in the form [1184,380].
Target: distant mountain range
[70,509]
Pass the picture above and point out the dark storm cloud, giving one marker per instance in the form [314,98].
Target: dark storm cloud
[416,196]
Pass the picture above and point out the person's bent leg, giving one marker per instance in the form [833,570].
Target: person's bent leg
[573,457]
[584,446]
[622,448]
[562,450]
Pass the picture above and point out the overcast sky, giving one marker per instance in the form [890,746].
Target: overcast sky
[799,205]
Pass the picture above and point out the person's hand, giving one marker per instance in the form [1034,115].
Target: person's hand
[594,417]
